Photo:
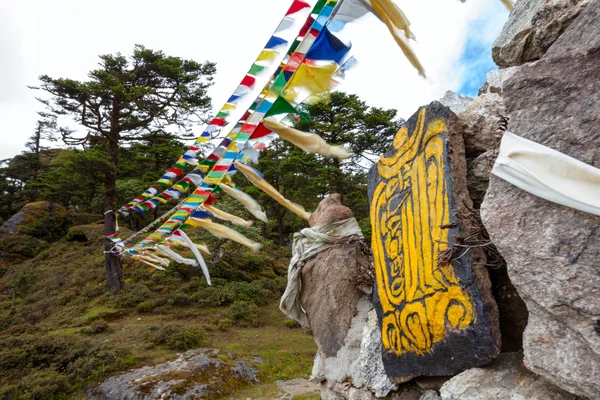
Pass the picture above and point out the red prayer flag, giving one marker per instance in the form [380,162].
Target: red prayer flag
[306,26]
[248,81]
[260,131]
[218,122]
[296,6]
[248,128]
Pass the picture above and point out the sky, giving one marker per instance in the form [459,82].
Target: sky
[63,38]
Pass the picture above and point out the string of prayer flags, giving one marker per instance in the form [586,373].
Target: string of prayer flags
[223,232]
[257,180]
[309,142]
[246,200]
[156,258]
[203,192]
[268,55]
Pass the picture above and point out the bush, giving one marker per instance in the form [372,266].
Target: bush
[145,307]
[224,324]
[98,326]
[292,323]
[52,366]
[177,337]
[244,313]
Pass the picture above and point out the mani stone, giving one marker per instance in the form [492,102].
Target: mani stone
[432,294]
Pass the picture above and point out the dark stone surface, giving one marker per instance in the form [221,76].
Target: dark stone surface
[553,251]
[473,339]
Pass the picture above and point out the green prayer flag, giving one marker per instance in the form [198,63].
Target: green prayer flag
[279,84]
[281,106]
[255,69]
[319,6]
[294,46]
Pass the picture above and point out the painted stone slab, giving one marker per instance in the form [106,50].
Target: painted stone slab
[437,317]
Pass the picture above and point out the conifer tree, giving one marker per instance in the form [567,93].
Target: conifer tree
[123,101]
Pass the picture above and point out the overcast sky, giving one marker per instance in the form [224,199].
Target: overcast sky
[63,38]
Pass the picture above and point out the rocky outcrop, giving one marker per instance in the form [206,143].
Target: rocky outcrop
[33,214]
[532,28]
[552,251]
[421,216]
[201,373]
[456,102]
[505,378]
[482,124]
[494,80]
[28,232]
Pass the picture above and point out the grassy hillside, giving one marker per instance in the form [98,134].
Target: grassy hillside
[60,331]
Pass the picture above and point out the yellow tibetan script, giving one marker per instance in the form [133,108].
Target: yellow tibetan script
[420,299]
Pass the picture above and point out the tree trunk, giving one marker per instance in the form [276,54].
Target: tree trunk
[280,228]
[114,271]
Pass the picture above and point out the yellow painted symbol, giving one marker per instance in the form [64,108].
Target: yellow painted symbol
[420,299]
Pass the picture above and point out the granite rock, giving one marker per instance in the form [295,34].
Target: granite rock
[552,251]
[505,378]
[532,28]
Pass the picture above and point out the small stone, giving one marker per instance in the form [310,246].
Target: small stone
[430,395]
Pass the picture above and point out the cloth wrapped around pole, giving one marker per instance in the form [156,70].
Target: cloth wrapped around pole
[308,243]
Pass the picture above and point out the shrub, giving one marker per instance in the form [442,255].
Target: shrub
[244,313]
[145,307]
[98,326]
[224,324]
[51,366]
[177,337]
[292,323]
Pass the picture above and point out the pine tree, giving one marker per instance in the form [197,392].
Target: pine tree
[125,100]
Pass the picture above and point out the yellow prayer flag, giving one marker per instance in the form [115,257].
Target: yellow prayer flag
[266,55]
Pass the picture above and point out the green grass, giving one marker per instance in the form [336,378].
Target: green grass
[49,305]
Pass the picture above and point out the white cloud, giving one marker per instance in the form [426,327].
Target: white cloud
[63,38]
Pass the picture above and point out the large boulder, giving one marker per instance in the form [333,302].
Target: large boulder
[532,28]
[553,251]
[28,232]
[504,378]
[433,295]
[201,373]
[33,217]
